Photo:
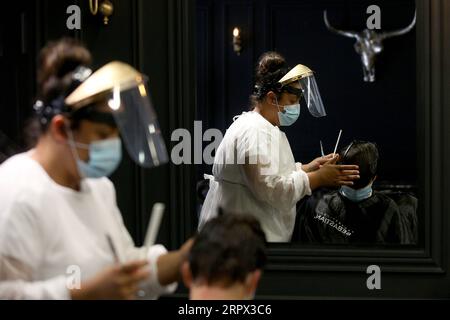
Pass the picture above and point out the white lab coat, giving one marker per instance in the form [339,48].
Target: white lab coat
[255,173]
[51,236]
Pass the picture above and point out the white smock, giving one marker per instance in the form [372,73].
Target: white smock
[255,173]
[51,236]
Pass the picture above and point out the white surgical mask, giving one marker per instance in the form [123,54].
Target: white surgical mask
[356,195]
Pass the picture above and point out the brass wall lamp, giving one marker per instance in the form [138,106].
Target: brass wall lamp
[237,41]
[106,8]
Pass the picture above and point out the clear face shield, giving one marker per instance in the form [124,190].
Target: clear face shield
[312,96]
[308,86]
[127,97]
[138,125]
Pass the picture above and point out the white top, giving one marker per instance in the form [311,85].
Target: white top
[49,234]
[268,188]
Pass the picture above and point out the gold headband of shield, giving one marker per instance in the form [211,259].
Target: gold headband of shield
[297,73]
[113,75]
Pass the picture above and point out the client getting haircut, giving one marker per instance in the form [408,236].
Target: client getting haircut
[365,155]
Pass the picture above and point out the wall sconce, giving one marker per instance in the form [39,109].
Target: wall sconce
[237,41]
[106,9]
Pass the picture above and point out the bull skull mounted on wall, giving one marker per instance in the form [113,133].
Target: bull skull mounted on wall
[368,44]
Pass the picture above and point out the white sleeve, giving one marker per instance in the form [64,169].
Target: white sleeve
[152,288]
[21,247]
[260,172]
[53,289]
[281,192]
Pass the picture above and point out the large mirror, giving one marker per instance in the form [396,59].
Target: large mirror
[363,55]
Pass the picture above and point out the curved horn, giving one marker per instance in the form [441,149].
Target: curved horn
[400,32]
[349,34]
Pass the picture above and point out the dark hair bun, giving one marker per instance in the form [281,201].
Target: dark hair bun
[269,62]
[270,69]
[56,63]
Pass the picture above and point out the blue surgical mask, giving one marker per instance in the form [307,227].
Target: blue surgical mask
[356,195]
[104,157]
[290,114]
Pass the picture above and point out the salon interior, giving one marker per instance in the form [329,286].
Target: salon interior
[357,91]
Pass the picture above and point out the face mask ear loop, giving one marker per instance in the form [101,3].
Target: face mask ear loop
[278,106]
[73,149]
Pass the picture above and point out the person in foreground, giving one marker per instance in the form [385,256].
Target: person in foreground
[62,235]
[227,259]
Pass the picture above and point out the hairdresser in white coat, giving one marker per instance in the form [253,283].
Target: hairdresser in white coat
[61,232]
[254,169]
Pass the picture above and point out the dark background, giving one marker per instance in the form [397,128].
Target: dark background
[406,112]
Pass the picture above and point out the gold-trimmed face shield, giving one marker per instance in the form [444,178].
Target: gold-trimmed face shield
[305,77]
[125,92]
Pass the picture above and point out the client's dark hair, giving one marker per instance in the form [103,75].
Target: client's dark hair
[365,155]
[227,249]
